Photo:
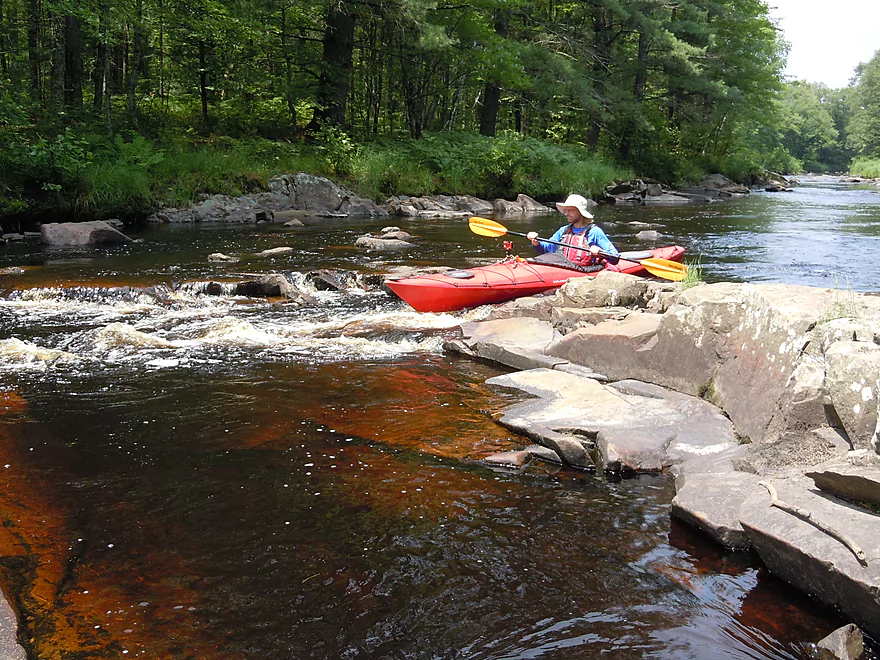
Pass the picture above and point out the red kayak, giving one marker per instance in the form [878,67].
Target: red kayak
[511,278]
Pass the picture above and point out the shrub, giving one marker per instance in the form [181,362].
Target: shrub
[865,167]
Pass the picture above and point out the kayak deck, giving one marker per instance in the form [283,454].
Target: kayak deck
[511,278]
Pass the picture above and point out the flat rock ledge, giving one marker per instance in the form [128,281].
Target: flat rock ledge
[736,390]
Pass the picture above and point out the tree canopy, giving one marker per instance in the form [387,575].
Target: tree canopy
[667,88]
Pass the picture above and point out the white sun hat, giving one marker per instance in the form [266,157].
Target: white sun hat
[578,202]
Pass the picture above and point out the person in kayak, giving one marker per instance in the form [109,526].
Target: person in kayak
[584,240]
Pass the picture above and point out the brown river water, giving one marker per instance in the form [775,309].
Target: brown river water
[193,476]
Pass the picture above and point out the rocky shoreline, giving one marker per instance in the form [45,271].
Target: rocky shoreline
[293,197]
[761,400]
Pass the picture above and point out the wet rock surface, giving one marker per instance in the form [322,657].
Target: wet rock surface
[71,234]
[758,399]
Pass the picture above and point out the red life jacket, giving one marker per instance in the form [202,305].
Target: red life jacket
[579,252]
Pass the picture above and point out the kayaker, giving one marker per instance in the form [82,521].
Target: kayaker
[586,239]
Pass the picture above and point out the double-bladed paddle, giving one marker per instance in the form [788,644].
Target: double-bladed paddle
[664,268]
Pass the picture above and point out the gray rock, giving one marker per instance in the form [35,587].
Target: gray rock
[811,559]
[522,332]
[529,205]
[274,252]
[536,307]
[543,453]
[10,649]
[606,289]
[711,502]
[845,643]
[269,286]
[382,244]
[307,192]
[576,408]
[397,234]
[617,348]
[221,258]
[569,319]
[68,234]
[505,207]
[508,459]
[852,482]
[289,217]
[649,235]
[852,379]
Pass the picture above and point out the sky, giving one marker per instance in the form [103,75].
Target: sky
[828,39]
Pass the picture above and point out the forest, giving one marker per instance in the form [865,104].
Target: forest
[117,108]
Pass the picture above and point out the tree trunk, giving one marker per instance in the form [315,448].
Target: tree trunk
[492,91]
[99,74]
[3,41]
[601,59]
[335,78]
[105,92]
[161,50]
[135,65]
[639,83]
[203,83]
[57,48]
[33,35]
[288,72]
[73,63]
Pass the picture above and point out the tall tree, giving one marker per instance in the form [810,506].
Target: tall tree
[335,77]
[864,126]
[492,90]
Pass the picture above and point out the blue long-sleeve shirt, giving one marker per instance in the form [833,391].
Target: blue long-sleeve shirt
[596,236]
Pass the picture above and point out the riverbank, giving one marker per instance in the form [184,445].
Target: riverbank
[132,180]
[762,400]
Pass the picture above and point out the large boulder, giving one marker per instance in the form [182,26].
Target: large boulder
[852,378]
[606,289]
[745,347]
[71,234]
[314,193]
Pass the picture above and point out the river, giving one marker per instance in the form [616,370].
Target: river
[186,475]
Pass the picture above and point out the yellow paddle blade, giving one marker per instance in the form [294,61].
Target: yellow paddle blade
[668,270]
[486,227]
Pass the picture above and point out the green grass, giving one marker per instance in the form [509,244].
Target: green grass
[843,305]
[866,168]
[694,275]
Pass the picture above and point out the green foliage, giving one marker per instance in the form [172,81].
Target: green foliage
[779,160]
[386,168]
[866,167]
[468,163]
[809,126]
[864,124]
[337,149]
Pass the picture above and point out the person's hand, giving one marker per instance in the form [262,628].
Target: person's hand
[595,249]
[533,237]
